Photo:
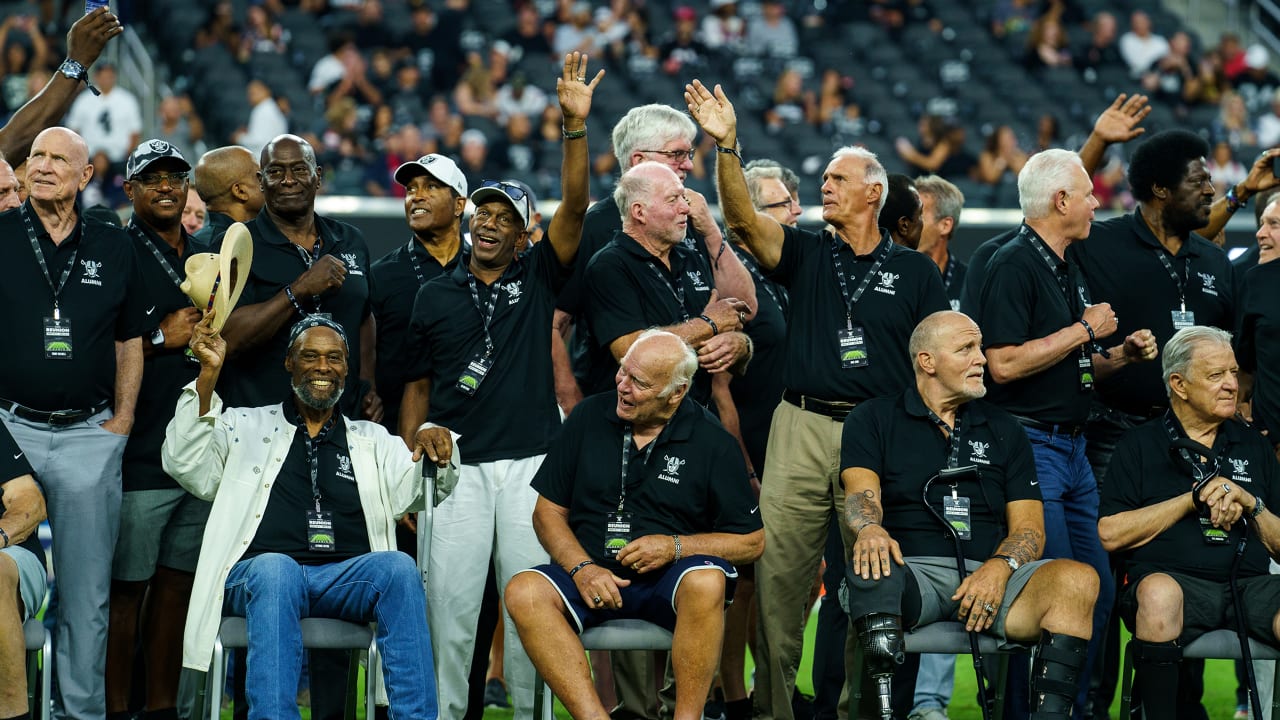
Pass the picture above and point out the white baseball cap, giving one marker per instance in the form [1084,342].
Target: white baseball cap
[438,167]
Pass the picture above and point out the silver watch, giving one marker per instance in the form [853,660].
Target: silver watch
[74,70]
[157,337]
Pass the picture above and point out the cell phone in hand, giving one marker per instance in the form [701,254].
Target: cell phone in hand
[91,5]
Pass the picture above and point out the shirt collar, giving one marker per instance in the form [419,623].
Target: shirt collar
[915,407]
[461,265]
[329,239]
[337,435]
[678,429]
[1143,231]
[875,252]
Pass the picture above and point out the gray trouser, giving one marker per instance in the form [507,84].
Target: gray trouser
[78,467]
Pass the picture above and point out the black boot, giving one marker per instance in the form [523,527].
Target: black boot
[1155,670]
[1054,675]
[880,636]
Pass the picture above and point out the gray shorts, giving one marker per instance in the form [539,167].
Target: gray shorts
[33,580]
[158,527]
[938,580]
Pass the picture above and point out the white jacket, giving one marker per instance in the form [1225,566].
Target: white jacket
[244,448]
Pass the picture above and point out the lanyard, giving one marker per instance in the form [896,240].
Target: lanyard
[675,287]
[1178,280]
[949,274]
[44,266]
[417,269]
[626,462]
[313,455]
[1064,283]
[882,254]
[1204,469]
[142,238]
[953,437]
[486,312]
[779,295]
[310,259]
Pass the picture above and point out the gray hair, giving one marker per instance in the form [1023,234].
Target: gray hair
[788,176]
[649,127]
[873,171]
[631,187]
[685,366]
[924,338]
[1179,351]
[756,176]
[1045,173]
[948,201]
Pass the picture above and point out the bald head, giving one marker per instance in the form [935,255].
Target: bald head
[57,168]
[287,141]
[931,333]
[668,352]
[9,198]
[227,180]
[78,149]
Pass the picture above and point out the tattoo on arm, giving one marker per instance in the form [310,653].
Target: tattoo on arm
[1024,546]
[861,510]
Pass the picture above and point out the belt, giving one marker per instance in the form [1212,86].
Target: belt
[56,417]
[1051,428]
[836,410]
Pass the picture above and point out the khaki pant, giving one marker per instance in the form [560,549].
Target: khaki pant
[800,495]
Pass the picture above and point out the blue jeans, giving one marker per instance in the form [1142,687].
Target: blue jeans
[1071,525]
[273,593]
[935,682]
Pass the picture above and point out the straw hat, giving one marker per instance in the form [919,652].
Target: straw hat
[215,280]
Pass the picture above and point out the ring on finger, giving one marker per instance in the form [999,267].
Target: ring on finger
[989,608]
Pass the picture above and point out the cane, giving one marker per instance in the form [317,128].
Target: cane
[1237,604]
[979,676]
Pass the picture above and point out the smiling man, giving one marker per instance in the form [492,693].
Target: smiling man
[478,359]
[1256,347]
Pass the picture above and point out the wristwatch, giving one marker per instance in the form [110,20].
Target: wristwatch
[157,337]
[74,70]
[1258,506]
[1012,562]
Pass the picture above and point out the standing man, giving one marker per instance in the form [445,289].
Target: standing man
[69,383]
[303,263]
[901,214]
[855,298]
[941,203]
[1041,332]
[435,196]
[9,198]
[160,523]
[481,366]
[227,180]
[22,571]
[109,120]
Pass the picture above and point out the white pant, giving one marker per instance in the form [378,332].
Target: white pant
[489,512]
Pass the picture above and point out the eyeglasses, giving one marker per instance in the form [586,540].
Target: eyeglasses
[515,192]
[780,204]
[155,180]
[678,156]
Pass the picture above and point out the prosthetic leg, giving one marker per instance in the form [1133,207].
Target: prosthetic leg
[1059,659]
[880,635]
[1155,677]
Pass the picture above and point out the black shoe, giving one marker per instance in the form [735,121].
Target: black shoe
[495,694]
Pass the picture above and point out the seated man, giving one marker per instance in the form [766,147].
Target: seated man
[891,448]
[22,571]
[305,503]
[1176,491]
[631,546]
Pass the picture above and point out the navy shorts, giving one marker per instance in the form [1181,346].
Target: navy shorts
[646,598]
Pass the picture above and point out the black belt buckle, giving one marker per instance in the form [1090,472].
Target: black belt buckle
[66,417]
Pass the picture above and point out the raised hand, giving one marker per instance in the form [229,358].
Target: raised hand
[1121,121]
[573,90]
[207,344]
[713,112]
[89,35]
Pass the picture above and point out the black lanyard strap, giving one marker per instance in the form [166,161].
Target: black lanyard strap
[310,258]
[1203,469]
[142,238]
[1065,284]
[486,311]
[953,437]
[626,462]
[882,254]
[313,455]
[677,290]
[949,274]
[779,295]
[417,269]
[44,266]
[1178,280]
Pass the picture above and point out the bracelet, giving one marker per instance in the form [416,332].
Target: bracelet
[572,134]
[1258,507]
[288,291]
[715,329]
[734,152]
[579,566]
[7,542]
[679,550]
[1234,202]
[1088,327]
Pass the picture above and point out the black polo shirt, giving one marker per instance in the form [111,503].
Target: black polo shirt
[628,289]
[513,413]
[895,438]
[166,371]
[1143,472]
[953,276]
[13,464]
[215,226]
[976,273]
[102,300]
[397,277]
[1120,261]
[284,522]
[258,377]
[1243,263]
[1258,342]
[757,393]
[691,479]
[907,289]
[1022,301]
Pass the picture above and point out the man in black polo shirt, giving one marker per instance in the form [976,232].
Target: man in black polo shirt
[657,543]
[435,198]
[69,381]
[303,263]
[1181,493]
[22,571]
[1041,333]
[160,523]
[941,203]
[855,297]
[480,365]
[901,215]
[227,180]
[892,447]
[1256,345]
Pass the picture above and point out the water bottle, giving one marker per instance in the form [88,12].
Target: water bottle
[91,5]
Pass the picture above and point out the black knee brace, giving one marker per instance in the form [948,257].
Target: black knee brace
[1155,668]
[1059,659]
[880,636]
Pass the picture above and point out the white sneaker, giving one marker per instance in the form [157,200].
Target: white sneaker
[932,713]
